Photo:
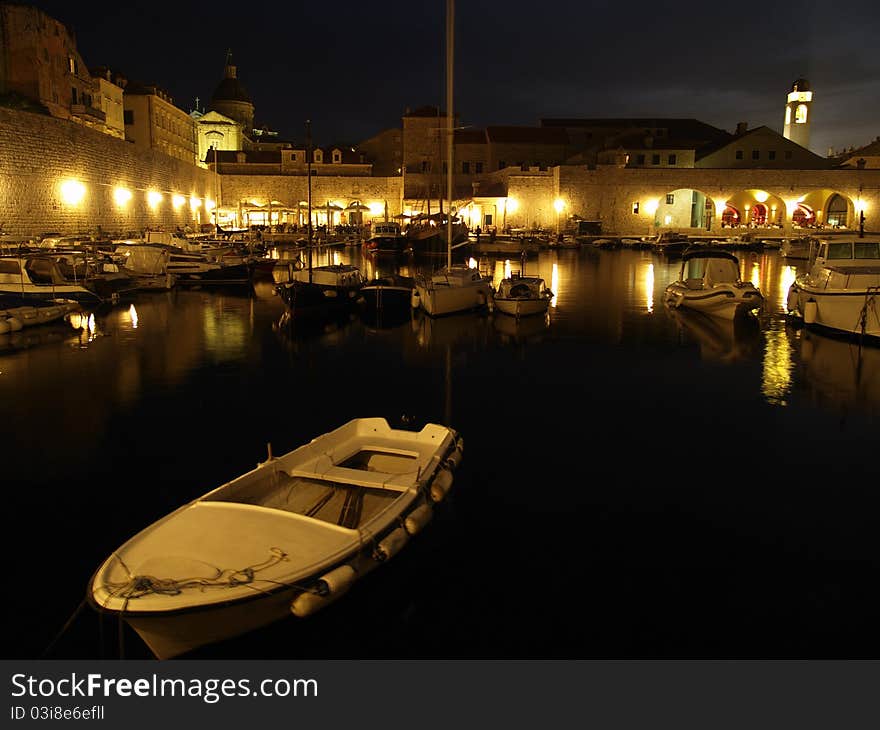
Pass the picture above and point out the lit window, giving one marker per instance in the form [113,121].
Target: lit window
[671,160]
[655,159]
[670,199]
[636,208]
[800,116]
[739,154]
[756,155]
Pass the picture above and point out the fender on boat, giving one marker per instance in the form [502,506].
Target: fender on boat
[811,310]
[418,518]
[454,458]
[442,484]
[391,544]
[330,586]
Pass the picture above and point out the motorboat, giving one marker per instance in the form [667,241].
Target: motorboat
[521,296]
[386,237]
[841,291]
[454,288]
[389,292]
[38,276]
[338,281]
[710,282]
[148,265]
[670,242]
[288,537]
[796,248]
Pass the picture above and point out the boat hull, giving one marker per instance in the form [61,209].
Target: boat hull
[289,537]
[726,302]
[849,312]
[521,307]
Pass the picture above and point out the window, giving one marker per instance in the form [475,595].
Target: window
[337,157]
[426,166]
[655,159]
[670,198]
[756,154]
[640,159]
[771,155]
[466,168]
[128,116]
[478,167]
[293,156]
[739,154]
[671,160]
[73,96]
[787,154]
[502,164]
[445,167]
[487,219]
[800,115]
[636,208]
[71,63]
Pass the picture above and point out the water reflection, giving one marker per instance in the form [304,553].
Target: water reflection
[840,373]
[721,340]
[777,365]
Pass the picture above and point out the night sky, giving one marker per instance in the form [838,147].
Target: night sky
[353,68]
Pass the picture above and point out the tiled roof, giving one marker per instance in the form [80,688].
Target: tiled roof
[527,135]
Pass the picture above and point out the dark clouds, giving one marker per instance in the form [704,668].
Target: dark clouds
[353,68]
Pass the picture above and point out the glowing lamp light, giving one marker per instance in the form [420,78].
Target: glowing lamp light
[121,196]
[210,204]
[72,192]
[559,205]
[154,198]
[719,208]
[195,203]
[861,206]
[177,201]
[651,206]
[667,220]
[512,205]
[376,208]
[761,196]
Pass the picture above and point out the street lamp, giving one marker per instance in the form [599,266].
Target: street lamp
[559,206]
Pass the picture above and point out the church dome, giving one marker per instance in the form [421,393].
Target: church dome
[230,88]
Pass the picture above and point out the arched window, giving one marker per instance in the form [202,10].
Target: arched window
[788,115]
[837,211]
[730,217]
[800,116]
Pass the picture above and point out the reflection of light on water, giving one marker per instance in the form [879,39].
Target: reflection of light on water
[502,271]
[649,287]
[756,275]
[83,321]
[786,278]
[132,312]
[554,284]
[336,259]
[778,366]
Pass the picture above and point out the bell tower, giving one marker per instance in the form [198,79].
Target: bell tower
[798,113]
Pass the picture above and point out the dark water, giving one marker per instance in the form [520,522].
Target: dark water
[634,484]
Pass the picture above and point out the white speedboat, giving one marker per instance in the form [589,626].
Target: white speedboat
[841,291]
[288,537]
[521,296]
[386,237]
[454,288]
[709,281]
[39,277]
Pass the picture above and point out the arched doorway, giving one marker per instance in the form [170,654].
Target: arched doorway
[730,217]
[803,216]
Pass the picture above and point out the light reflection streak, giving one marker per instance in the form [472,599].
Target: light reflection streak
[132,312]
[554,284]
[786,278]
[778,367]
[756,275]
[649,287]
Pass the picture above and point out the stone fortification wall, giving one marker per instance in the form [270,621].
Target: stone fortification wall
[290,189]
[38,153]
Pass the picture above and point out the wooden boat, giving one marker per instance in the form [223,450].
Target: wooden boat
[289,537]
[710,282]
[392,291]
[522,296]
[386,237]
[841,291]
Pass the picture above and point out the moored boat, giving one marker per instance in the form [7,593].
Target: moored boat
[710,282]
[841,291]
[39,277]
[522,296]
[289,537]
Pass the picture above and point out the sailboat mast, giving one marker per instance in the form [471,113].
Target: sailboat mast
[450,22]
[309,188]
